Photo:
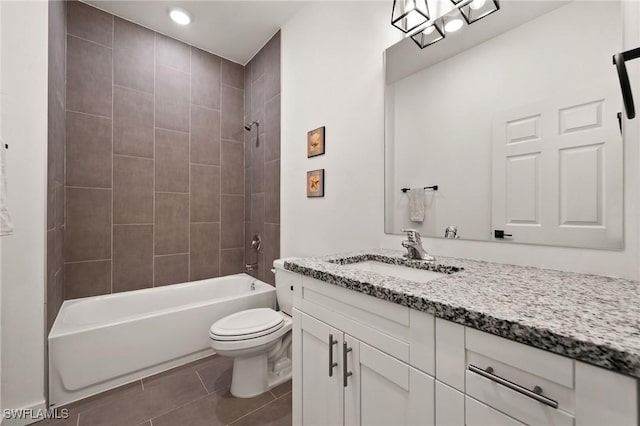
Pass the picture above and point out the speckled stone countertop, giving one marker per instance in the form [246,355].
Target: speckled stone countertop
[590,318]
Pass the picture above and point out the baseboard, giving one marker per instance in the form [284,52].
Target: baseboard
[40,406]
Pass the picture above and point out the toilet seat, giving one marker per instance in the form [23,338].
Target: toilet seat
[246,325]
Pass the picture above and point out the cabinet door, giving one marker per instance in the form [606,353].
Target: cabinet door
[384,391]
[318,390]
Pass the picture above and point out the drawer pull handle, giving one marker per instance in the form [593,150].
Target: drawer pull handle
[536,393]
[332,364]
[345,373]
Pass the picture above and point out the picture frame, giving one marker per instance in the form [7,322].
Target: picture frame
[315,183]
[315,142]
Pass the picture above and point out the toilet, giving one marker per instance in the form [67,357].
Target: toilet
[259,341]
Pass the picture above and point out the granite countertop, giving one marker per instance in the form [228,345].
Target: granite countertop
[590,318]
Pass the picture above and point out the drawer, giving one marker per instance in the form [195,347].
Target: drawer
[543,364]
[449,406]
[506,399]
[479,414]
[405,334]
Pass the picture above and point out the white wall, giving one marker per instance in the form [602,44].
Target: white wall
[332,75]
[23,50]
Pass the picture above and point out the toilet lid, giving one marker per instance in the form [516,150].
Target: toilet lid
[247,324]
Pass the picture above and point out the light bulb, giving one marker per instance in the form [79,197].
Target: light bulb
[428,30]
[477,4]
[179,16]
[453,25]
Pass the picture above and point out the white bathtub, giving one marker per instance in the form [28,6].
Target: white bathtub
[98,343]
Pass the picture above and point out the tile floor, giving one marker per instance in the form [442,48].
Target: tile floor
[192,395]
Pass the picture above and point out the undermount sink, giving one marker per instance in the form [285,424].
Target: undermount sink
[397,271]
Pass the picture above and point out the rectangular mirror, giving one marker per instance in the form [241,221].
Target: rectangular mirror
[515,119]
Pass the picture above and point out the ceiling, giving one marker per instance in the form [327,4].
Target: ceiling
[235,30]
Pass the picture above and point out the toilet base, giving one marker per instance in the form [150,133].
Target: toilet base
[255,375]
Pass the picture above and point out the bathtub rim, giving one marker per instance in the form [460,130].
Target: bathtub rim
[55,331]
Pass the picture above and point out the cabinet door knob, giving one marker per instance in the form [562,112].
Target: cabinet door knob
[332,364]
[345,373]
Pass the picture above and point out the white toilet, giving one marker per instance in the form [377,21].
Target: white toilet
[259,341]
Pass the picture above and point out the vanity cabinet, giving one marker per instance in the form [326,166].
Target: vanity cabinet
[360,360]
[346,381]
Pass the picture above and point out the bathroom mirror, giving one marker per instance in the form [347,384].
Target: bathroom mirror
[515,119]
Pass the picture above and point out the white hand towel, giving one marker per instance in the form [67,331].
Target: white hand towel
[6,227]
[417,200]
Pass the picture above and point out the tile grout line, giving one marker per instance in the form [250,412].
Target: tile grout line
[253,411]
[220,178]
[179,407]
[189,165]
[94,42]
[113,36]
[153,184]
[202,382]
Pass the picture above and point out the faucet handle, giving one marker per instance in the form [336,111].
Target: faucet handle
[412,234]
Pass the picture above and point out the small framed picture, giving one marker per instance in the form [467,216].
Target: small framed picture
[315,142]
[315,183]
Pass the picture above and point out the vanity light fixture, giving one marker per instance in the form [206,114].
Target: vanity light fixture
[179,16]
[430,34]
[477,9]
[407,15]
[412,17]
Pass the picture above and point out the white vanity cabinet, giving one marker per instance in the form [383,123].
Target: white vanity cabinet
[360,360]
[342,380]
[352,358]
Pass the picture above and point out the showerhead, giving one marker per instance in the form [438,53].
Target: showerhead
[248,126]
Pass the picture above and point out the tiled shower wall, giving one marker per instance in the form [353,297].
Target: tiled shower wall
[154,189]
[55,160]
[262,161]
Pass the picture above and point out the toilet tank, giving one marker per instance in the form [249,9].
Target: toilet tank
[284,286]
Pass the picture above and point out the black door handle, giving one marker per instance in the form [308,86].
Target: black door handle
[499,233]
[619,60]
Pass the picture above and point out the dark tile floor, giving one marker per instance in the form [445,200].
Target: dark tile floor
[192,395]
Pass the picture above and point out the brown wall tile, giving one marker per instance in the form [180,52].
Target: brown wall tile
[205,136]
[172,269]
[272,129]
[89,23]
[271,250]
[232,221]
[232,74]
[132,122]
[132,190]
[172,53]
[257,101]
[231,261]
[257,213]
[205,250]
[232,114]
[172,161]
[133,56]
[88,224]
[172,99]
[272,67]
[205,193]
[88,77]
[232,169]
[88,151]
[272,192]
[86,279]
[132,257]
[171,223]
[205,79]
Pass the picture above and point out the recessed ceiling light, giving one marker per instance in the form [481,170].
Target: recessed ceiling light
[179,16]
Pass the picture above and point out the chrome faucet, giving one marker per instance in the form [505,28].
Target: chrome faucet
[413,244]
